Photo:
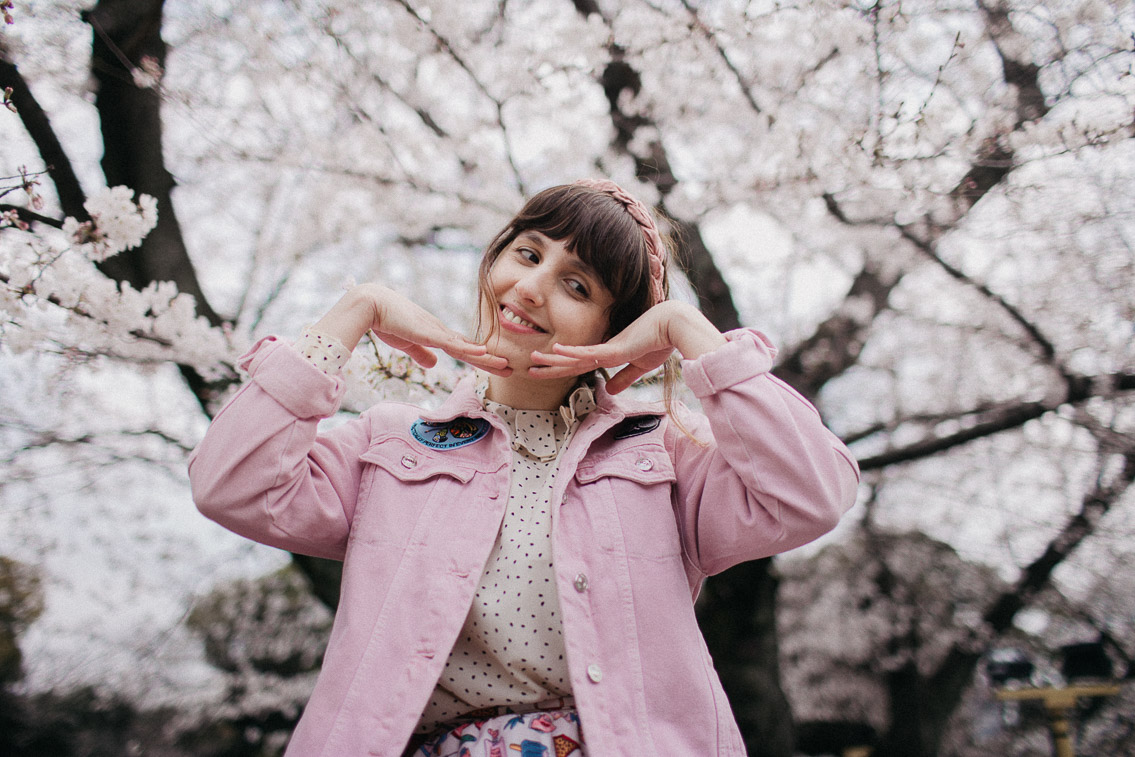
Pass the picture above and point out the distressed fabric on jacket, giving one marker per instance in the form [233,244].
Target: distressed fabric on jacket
[641,515]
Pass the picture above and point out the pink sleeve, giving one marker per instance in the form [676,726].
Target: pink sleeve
[264,472]
[772,478]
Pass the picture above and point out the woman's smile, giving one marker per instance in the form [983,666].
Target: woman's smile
[512,320]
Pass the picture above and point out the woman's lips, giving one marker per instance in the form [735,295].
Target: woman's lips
[510,317]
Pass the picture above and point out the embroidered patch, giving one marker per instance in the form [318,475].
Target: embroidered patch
[637,426]
[450,434]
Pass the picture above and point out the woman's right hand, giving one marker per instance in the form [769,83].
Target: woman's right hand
[405,326]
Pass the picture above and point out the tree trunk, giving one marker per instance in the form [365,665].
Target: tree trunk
[127,36]
[911,733]
[38,126]
[738,619]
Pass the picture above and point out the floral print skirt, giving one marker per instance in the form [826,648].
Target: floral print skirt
[553,733]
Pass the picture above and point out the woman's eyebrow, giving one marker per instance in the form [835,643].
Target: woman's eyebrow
[532,237]
[581,267]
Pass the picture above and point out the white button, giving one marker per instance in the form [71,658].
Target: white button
[644,464]
[581,582]
[409,461]
[595,673]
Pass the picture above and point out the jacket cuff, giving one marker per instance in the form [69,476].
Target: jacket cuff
[287,377]
[746,353]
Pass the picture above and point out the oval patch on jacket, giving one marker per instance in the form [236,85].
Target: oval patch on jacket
[450,434]
[637,425]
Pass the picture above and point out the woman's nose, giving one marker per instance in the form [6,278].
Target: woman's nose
[530,287]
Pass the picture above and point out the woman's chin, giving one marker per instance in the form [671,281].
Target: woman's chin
[519,356]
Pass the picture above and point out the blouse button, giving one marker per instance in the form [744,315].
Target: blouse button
[644,464]
[595,673]
[580,582]
[409,461]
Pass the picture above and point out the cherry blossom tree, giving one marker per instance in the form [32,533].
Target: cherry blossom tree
[922,203]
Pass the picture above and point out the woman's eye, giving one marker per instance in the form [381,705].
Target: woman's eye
[578,287]
[528,254]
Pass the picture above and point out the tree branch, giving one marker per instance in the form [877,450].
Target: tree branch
[30,216]
[988,423]
[1047,349]
[836,343]
[38,126]
[447,47]
[1037,575]
[1024,76]
[993,161]
[989,167]
[711,37]
[423,115]
[42,438]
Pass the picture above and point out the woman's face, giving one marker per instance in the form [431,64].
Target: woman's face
[545,295]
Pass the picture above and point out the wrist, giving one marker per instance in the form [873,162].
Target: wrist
[691,332]
[350,318]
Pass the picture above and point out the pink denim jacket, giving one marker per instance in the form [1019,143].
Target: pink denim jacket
[644,515]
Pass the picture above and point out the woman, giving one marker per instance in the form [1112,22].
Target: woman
[520,565]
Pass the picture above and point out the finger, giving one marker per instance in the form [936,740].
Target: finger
[495,369]
[457,341]
[463,349]
[415,345]
[555,372]
[550,359]
[580,350]
[567,366]
[606,355]
[492,363]
[420,355]
[624,378]
[417,352]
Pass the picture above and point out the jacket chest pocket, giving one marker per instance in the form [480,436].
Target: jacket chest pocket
[631,487]
[402,482]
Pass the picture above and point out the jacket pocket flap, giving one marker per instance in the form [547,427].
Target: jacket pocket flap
[409,462]
[644,463]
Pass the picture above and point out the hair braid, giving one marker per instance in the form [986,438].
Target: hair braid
[641,214]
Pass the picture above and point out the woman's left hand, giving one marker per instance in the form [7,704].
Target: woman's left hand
[641,347]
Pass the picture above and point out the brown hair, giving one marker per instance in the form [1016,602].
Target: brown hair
[598,229]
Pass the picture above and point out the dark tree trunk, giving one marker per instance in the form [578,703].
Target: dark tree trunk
[326,577]
[836,343]
[908,734]
[38,126]
[738,619]
[126,36]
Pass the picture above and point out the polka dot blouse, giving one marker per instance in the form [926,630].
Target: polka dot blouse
[511,648]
